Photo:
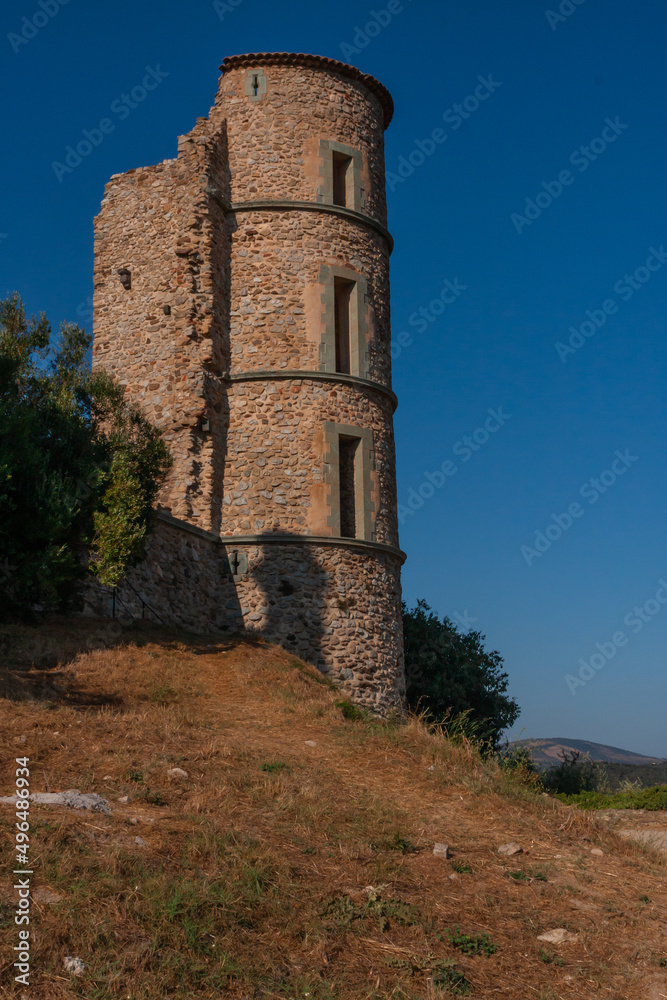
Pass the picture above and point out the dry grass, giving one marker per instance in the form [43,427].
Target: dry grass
[252,881]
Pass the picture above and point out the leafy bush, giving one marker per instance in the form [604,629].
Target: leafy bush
[79,467]
[471,944]
[651,799]
[351,711]
[447,977]
[575,773]
[400,843]
[451,676]
[274,766]
[517,757]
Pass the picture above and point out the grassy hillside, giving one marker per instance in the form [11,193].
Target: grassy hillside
[295,858]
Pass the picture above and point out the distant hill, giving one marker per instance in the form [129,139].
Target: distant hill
[546,752]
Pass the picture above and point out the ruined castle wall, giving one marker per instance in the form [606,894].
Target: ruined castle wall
[228,299]
[162,336]
[337,608]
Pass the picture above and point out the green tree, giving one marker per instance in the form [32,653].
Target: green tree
[449,673]
[575,773]
[80,468]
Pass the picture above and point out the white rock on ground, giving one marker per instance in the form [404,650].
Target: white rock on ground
[441,850]
[557,936]
[177,772]
[43,895]
[510,849]
[72,798]
[74,965]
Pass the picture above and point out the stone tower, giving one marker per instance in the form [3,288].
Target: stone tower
[242,296]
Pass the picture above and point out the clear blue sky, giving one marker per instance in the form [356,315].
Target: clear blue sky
[554,82]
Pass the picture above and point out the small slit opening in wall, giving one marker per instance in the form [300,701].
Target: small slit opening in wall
[342,164]
[347,478]
[255,85]
[342,302]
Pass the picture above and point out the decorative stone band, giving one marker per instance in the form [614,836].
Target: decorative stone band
[302,206]
[280,539]
[289,373]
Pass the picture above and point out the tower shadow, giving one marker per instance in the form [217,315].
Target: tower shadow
[292,586]
[223,226]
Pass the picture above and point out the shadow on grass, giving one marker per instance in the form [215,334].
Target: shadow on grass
[34,656]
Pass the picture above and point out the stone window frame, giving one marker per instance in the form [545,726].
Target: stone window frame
[261,80]
[359,347]
[235,563]
[363,487]
[325,191]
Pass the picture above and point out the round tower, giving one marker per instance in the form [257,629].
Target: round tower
[242,298]
[309,502]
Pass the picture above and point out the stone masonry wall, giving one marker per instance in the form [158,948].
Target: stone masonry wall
[227,298]
[335,607]
[276,455]
[274,142]
[167,334]
[277,316]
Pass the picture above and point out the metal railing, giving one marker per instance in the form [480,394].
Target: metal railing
[115,599]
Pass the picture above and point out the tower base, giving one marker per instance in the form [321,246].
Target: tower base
[334,603]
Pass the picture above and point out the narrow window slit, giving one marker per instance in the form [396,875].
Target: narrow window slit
[342,174]
[342,303]
[347,473]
